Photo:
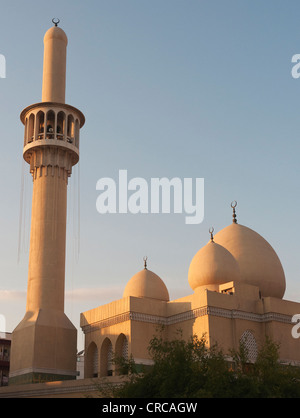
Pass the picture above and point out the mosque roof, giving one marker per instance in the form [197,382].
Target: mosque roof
[212,265]
[258,262]
[146,284]
[238,253]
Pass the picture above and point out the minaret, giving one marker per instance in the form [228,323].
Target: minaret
[44,343]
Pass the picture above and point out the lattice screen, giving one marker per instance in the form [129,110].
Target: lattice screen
[249,342]
[110,357]
[95,361]
[125,349]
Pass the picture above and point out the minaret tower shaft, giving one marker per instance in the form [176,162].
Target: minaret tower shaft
[44,343]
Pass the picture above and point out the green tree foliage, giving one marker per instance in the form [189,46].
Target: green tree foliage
[190,369]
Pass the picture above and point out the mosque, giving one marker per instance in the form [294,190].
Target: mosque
[238,286]
[237,279]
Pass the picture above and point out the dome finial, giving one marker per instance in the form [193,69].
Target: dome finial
[145,262]
[234,205]
[211,231]
[56,21]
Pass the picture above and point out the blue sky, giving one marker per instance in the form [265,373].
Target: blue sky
[169,88]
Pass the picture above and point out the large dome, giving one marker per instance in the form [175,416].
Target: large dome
[212,266]
[146,284]
[258,262]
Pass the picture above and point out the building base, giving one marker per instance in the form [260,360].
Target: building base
[43,348]
[82,388]
[39,377]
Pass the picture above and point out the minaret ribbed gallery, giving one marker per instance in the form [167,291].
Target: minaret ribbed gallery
[44,343]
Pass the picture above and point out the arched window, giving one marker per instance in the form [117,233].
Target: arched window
[91,359]
[122,346]
[106,358]
[77,133]
[122,350]
[95,363]
[26,132]
[40,124]
[248,342]
[110,360]
[61,125]
[30,132]
[50,125]
[70,131]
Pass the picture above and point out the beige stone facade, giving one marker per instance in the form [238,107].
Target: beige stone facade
[247,309]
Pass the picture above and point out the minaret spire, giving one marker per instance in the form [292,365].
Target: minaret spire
[145,262]
[211,231]
[234,205]
[55,61]
[55,21]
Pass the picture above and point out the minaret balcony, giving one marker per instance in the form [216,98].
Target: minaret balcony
[52,124]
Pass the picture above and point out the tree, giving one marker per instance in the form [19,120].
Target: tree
[190,369]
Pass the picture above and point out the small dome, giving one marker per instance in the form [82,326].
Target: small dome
[212,265]
[258,262]
[55,33]
[146,284]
